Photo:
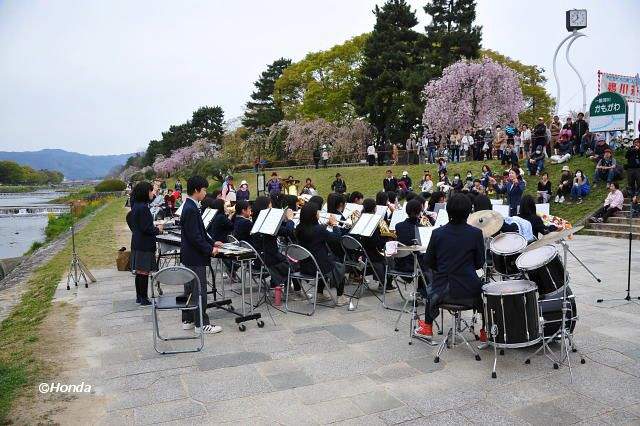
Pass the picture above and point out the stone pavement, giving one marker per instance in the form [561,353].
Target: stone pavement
[352,368]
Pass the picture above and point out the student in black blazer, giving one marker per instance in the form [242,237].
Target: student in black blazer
[374,246]
[196,250]
[242,223]
[455,252]
[143,238]
[314,237]
[221,226]
[407,233]
[267,245]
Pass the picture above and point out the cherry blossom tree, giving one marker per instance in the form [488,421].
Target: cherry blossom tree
[472,94]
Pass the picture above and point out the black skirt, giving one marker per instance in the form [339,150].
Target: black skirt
[143,261]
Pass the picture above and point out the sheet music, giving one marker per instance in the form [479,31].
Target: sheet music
[398,216]
[424,236]
[496,201]
[207,216]
[259,221]
[502,209]
[381,210]
[366,225]
[179,211]
[542,209]
[269,223]
[349,208]
[439,206]
[442,219]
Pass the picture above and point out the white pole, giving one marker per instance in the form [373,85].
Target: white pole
[577,35]
[555,73]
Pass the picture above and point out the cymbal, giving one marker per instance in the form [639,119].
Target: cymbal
[553,237]
[488,221]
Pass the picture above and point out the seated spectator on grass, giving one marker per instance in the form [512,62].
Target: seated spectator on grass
[580,187]
[599,149]
[605,169]
[535,163]
[544,188]
[612,204]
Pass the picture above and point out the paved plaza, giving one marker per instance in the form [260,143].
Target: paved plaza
[351,367]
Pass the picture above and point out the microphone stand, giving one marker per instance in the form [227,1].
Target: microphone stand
[628,297]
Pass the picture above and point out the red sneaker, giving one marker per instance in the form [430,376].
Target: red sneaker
[483,335]
[425,330]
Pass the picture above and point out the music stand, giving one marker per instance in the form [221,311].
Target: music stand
[77,269]
[628,297]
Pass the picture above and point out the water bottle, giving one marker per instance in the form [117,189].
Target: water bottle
[277,296]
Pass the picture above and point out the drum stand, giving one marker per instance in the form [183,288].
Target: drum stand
[564,334]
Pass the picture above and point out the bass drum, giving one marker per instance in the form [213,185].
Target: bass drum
[505,249]
[543,266]
[512,308]
[551,310]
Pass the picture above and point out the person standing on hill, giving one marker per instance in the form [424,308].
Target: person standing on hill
[339,186]
[578,129]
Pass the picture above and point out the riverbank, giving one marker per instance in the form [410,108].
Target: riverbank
[24,358]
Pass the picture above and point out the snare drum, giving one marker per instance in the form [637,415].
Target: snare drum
[505,249]
[543,266]
[512,306]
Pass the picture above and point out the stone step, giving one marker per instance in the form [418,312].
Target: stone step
[612,234]
[614,227]
[624,219]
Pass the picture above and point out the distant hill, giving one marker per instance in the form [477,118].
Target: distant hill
[72,164]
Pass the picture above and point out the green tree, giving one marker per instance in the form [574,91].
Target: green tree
[451,34]
[208,123]
[538,102]
[320,85]
[393,73]
[261,110]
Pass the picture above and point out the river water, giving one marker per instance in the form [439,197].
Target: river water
[17,233]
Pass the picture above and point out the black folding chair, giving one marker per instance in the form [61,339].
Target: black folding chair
[175,276]
[295,255]
[353,253]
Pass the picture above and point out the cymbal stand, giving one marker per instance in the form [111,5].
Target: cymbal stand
[564,334]
[76,270]
[583,265]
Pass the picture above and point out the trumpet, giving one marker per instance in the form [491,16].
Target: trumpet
[424,220]
[385,231]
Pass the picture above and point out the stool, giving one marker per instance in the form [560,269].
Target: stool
[455,332]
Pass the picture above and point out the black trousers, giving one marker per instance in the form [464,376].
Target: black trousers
[605,212]
[278,272]
[633,180]
[191,289]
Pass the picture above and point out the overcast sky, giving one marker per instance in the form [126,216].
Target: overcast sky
[104,77]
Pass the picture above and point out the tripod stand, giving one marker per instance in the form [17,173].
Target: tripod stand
[628,297]
[77,268]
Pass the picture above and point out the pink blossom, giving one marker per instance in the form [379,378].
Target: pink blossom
[472,94]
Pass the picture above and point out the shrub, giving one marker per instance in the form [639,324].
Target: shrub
[110,185]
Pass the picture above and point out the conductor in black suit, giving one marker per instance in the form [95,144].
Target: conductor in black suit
[196,249]
[455,252]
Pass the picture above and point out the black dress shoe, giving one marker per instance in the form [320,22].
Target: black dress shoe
[145,301]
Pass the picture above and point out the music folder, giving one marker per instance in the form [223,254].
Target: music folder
[398,216]
[366,225]
[423,235]
[381,210]
[349,208]
[207,216]
[268,222]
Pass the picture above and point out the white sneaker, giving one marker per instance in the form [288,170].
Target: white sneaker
[187,325]
[342,300]
[557,199]
[321,297]
[561,200]
[208,329]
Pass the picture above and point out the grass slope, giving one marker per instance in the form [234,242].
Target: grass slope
[20,367]
[368,180]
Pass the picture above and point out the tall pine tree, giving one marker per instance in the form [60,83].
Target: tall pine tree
[261,110]
[392,74]
[451,34]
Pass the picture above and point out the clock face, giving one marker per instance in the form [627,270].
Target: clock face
[578,18]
